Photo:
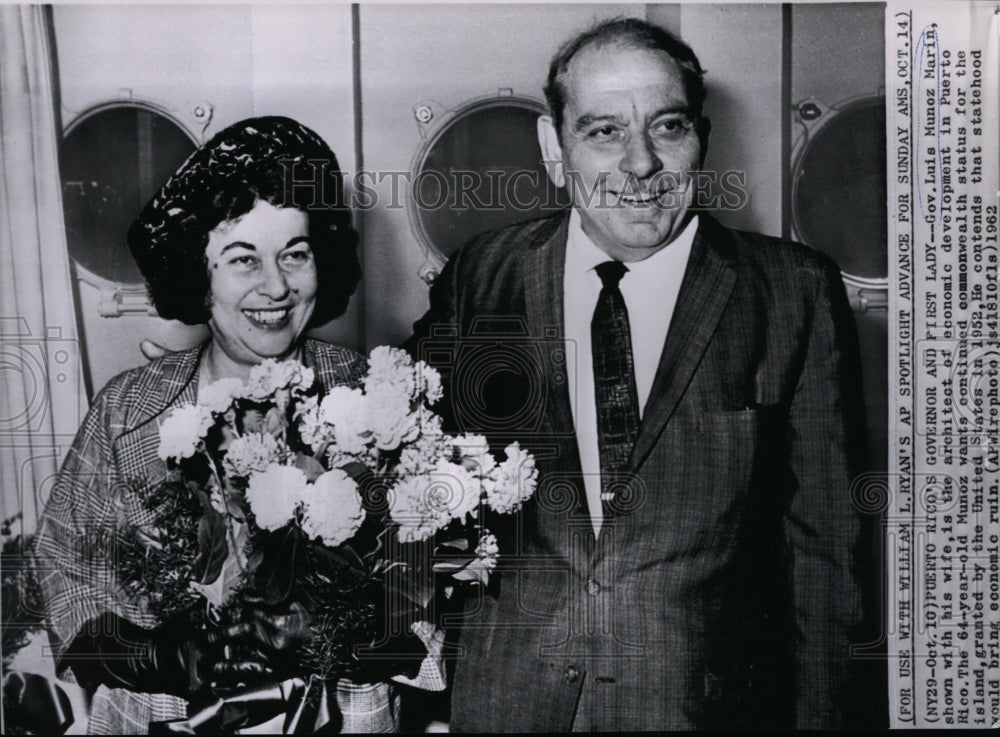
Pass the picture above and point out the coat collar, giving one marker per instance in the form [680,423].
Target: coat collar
[160,384]
[708,282]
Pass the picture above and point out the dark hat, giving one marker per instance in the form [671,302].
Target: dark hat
[235,152]
[273,158]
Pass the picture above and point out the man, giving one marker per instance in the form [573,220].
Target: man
[686,561]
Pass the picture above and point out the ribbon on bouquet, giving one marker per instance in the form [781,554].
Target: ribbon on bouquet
[293,706]
[35,703]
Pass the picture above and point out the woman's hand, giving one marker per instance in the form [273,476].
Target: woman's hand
[181,658]
[275,635]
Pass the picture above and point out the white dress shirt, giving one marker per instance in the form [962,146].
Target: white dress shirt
[650,289]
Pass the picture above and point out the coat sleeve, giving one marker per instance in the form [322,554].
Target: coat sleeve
[826,441]
[72,552]
[441,315]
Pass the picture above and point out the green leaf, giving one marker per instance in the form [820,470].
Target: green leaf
[357,471]
[222,588]
[464,569]
[312,468]
[459,544]
[275,576]
[212,546]
[475,572]
[344,556]
[236,509]
[453,564]
[410,585]
[274,422]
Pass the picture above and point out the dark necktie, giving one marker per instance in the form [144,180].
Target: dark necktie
[614,382]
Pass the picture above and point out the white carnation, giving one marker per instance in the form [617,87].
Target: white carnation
[389,417]
[429,382]
[488,550]
[274,493]
[428,422]
[313,431]
[389,366]
[332,510]
[465,490]
[336,458]
[474,452]
[270,376]
[513,481]
[343,409]
[182,430]
[420,456]
[423,504]
[410,507]
[249,453]
[219,395]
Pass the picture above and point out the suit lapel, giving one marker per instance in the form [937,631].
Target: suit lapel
[543,267]
[708,281]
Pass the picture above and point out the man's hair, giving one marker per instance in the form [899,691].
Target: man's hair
[627,33]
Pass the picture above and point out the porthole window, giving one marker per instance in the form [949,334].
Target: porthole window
[839,189]
[479,168]
[113,158]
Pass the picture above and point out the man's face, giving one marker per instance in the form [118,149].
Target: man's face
[629,144]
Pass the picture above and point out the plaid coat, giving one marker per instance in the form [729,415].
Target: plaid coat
[724,596]
[113,456]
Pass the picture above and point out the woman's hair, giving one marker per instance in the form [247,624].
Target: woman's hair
[272,159]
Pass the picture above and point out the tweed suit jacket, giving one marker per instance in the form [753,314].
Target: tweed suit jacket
[112,461]
[723,594]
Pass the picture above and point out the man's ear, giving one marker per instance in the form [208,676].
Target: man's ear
[704,128]
[548,141]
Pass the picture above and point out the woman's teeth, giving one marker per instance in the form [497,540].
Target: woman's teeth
[267,316]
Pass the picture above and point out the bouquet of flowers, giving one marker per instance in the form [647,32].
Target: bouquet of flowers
[353,500]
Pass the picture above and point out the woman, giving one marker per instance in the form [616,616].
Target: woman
[251,237]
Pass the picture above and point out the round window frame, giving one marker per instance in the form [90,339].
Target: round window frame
[121,296]
[433,130]
[813,129]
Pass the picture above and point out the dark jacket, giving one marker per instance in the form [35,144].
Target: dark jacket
[724,596]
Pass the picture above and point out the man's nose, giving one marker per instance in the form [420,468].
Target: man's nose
[640,157]
[273,283]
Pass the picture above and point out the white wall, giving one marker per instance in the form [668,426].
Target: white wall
[297,61]
[739,46]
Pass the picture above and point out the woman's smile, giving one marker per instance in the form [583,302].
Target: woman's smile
[269,319]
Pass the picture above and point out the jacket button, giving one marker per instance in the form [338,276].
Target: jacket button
[593,587]
[571,674]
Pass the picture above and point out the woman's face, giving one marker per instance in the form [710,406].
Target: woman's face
[263,283]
